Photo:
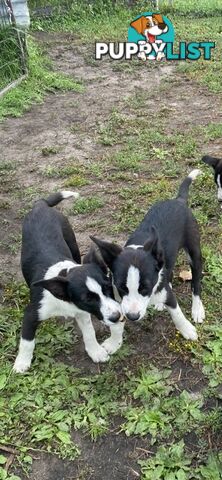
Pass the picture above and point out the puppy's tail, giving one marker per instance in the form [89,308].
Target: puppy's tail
[184,187]
[55,198]
[212,161]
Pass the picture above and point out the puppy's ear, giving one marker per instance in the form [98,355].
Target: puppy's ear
[94,257]
[108,250]
[158,17]
[58,286]
[212,161]
[139,24]
[153,245]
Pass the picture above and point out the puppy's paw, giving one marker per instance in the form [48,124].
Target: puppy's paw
[20,365]
[189,331]
[111,346]
[159,307]
[98,354]
[198,312]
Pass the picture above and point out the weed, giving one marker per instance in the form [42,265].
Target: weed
[6,167]
[151,382]
[168,463]
[76,181]
[87,205]
[46,151]
[110,132]
[62,172]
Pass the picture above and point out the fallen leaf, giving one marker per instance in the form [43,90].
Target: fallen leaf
[185,275]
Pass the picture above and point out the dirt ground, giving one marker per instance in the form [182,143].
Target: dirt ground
[71,121]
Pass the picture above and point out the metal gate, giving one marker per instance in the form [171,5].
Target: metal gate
[13,52]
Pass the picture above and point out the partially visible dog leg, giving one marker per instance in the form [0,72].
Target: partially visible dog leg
[27,341]
[195,260]
[95,351]
[114,342]
[181,323]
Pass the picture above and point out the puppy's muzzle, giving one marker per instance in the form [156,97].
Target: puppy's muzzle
[116,317]
[133,317]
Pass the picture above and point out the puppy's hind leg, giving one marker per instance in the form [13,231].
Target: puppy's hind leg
[195,260]
[181,323]
[27,341]
[95,351]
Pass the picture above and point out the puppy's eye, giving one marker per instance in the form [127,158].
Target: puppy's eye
[107,291]
[91,296]
[143,291]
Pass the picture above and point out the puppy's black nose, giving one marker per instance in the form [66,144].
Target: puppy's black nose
[161,26]
[115,317]
[133,316]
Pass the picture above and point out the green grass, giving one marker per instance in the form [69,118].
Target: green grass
[87,205]
[76,181]
[41,80]
[10,66]
[101,20]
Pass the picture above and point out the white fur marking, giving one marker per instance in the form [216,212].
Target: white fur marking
[182,324]
[52,306]
[219,191]
[198,312]
[158,299]
[109,307]
[24,357]
[114,342]
[134,246]
[134,303]
[95,351]
[69,193]
[194,174]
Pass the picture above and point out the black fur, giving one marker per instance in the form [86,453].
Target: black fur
[48,238]
[216,163]
[167,227]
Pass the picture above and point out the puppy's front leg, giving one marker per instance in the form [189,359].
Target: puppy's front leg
[95,351]
[181,323]
[114,342]
[27,341]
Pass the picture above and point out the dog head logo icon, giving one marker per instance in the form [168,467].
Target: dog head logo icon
[151,30]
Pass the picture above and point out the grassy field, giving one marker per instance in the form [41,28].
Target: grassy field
[154,411]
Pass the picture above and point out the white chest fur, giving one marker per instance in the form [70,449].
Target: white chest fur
[51,306]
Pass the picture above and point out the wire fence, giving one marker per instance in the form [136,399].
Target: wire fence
[13,51]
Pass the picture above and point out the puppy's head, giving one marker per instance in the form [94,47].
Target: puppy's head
[216,163]
[136,273]
[88,287]
[152,25]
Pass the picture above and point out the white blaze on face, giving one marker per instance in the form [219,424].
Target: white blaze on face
[108,306]
[134,303]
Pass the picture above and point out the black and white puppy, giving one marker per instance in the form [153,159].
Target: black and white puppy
[216,163]
[60,285]
[142,270]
